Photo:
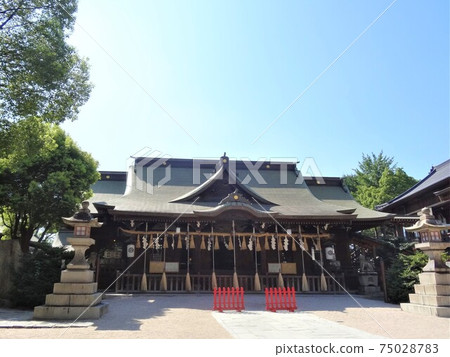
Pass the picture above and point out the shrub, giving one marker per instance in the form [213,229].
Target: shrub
[37,274]
[403,274]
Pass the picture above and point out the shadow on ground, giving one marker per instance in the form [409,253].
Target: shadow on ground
[126,312]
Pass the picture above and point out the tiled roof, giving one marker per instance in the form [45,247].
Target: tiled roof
[172,189]
[338,195]
[108,189]
[437,175]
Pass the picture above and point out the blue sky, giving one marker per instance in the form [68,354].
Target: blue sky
[194,79]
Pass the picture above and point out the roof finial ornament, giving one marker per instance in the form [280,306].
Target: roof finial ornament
[224,159]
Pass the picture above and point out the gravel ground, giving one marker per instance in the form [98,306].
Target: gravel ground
[138,317]
[171,316]
[391,322]
[375,316]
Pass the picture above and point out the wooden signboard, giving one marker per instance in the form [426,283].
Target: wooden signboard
[286,268]
[289,268]
[172,267]
[158,267]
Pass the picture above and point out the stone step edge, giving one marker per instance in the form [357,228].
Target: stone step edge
[45,312]
[426,310]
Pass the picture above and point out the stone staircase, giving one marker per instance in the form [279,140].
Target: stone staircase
[432,295]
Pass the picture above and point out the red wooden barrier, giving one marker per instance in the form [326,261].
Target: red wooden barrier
[229,299]
[280,299]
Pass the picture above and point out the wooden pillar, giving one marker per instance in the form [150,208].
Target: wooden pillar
[263,257]
[399,231]
[196,255]
[342,250]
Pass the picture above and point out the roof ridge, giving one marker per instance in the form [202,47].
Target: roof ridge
[433,171]
[214,178]
[439,166]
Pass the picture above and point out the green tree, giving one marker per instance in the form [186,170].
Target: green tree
[37,274]
[403,274]
[377,180]
[40,73]
[44,176]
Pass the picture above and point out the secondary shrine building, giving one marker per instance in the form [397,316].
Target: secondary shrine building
[182,218]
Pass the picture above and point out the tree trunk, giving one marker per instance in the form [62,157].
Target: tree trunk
[25,239]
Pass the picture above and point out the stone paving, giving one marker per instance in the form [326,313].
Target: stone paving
[190,316]
[285,325]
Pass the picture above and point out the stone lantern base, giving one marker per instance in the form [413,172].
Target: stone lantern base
[76,296]
[432,295]
[368,284]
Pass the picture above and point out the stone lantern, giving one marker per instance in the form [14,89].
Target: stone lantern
[76,296]
[432,295]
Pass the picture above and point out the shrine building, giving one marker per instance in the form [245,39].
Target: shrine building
[188,225]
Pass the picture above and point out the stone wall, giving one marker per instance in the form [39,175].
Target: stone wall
[10,254]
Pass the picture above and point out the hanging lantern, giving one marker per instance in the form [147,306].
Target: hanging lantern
[130,250]
[330,254]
